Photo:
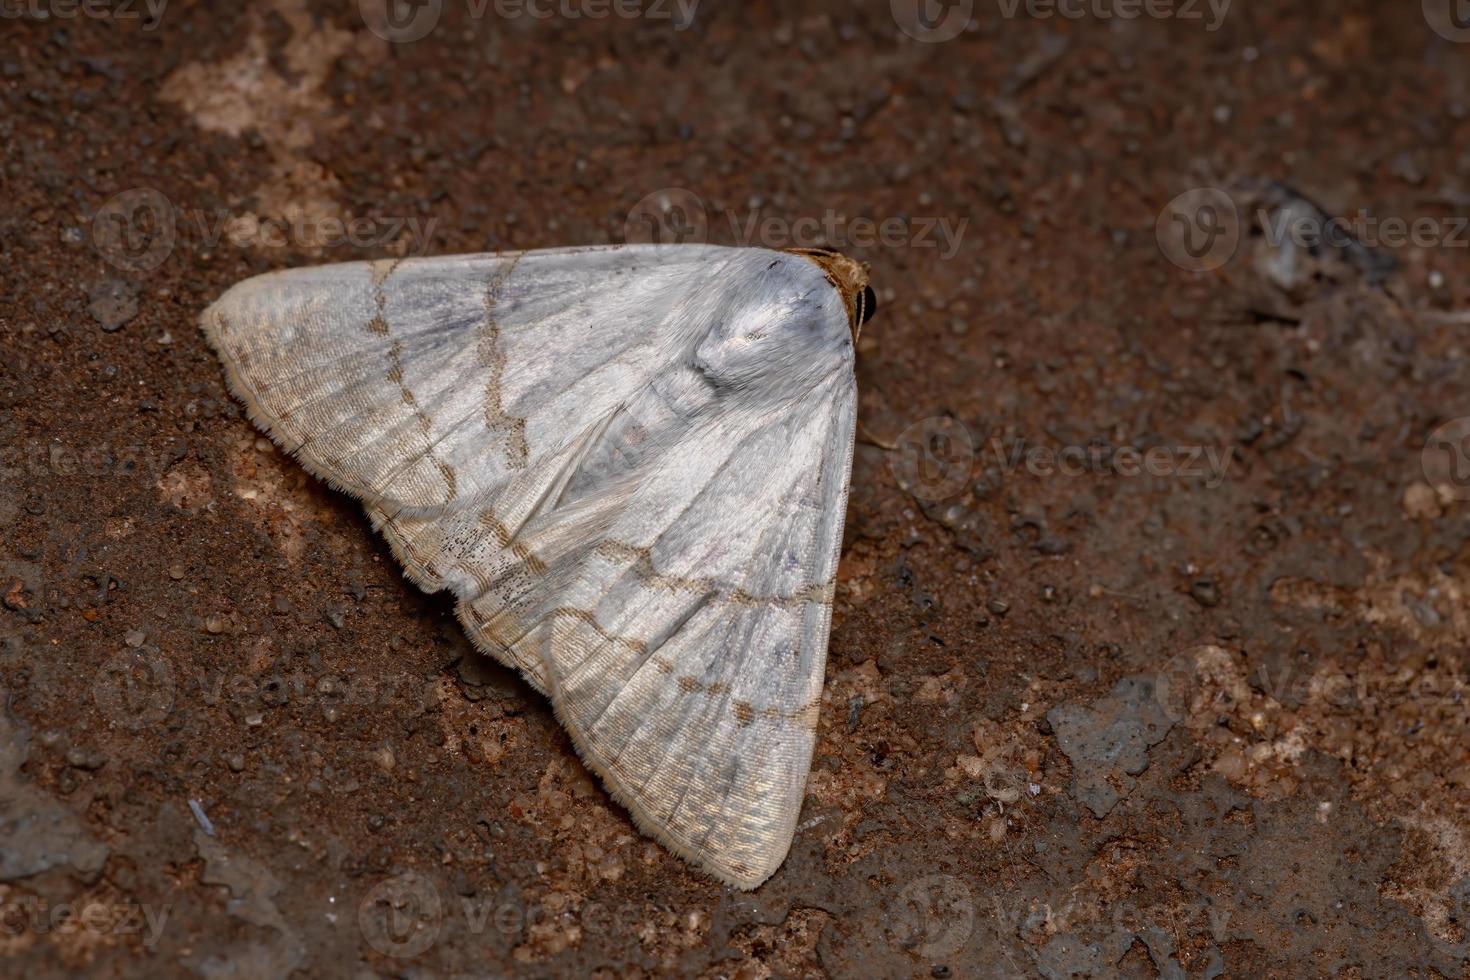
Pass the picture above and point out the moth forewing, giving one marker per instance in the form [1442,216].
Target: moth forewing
[628,464]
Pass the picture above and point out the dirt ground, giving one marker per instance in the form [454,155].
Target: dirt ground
[1151,648]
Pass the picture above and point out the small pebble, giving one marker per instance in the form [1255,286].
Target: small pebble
[112,304]
[236,762]
[176,572]
[134,638]
[82,759]
[1205,593]
[998,606]
[1421,502]
[611,867]
[215,624]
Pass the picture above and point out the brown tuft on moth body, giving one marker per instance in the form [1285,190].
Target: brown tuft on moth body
[850,277]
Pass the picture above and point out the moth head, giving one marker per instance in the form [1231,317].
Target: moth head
[851,279]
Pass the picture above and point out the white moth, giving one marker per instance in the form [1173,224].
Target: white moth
[630,466]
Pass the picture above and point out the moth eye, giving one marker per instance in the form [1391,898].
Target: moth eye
[869,305]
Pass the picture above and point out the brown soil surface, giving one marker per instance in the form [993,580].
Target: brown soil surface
[1150,655]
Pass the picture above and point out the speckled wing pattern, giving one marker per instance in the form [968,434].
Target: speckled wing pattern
[629,464]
